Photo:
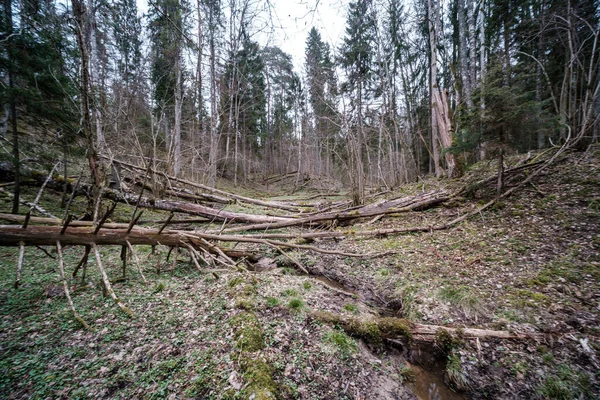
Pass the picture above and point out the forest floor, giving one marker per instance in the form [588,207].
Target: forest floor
[529,264]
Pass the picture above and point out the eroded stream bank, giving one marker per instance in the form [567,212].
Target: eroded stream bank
[422,365]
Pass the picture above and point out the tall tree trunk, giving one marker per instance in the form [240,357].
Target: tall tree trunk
[12,105]
[95,165]
[177,127]
[463,53]
[541,139]
[214,136]
[95,88]
[433,86]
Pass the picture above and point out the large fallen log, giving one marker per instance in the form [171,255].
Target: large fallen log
[268,204]
[13,235]
[378,329]
[191,208]
[420,202]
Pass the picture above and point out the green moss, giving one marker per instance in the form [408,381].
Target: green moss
[244,303]
[306,285]
[367,330]
[395,327]
[235,281]
[248,333]
[447,341]
[408,374]
[524,297]
[344,344]
[259,375]
[249,290]
[373,330]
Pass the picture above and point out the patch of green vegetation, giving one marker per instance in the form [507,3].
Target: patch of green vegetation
[244,303]
[524,297]
[306,285]
[158,287]
[373,330]
[383,272]
[391,244]
[290,293]
[395,327]
[463,297]
[407,374]
[566,384]
[454,372]
[272,302]
[296,304]
[249,290]
[350,307]
[343,343]
[404,295]
[518,367]
[259,376]
[235,281]
[248,333]
[447,341]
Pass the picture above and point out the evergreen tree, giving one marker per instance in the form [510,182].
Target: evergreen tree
[322,92]
[356,59]
[167,28]
[34,62]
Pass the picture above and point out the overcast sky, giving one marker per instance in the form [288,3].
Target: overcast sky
[290,21]
[293,19]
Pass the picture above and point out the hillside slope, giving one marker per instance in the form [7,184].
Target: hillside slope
[530,264]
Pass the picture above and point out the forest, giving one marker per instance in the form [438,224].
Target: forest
[410,210]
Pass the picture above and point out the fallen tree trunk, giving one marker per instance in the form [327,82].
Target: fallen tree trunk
[376,329]
[12,235]
[35,178]
[191,208]
[268,204]
[421,202]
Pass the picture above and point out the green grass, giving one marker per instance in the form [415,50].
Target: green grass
[351,308]
[272,302]
[565,384]
[296,304]
[290,293]
[341,342]
[463,297]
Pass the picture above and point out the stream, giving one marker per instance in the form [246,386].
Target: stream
[424,359]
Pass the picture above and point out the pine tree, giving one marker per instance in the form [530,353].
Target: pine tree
[33,61]
[356,59]
[322,91]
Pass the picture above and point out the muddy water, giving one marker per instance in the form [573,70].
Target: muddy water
[429,375]
[335,285]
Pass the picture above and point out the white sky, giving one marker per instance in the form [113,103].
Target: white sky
[291,20]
